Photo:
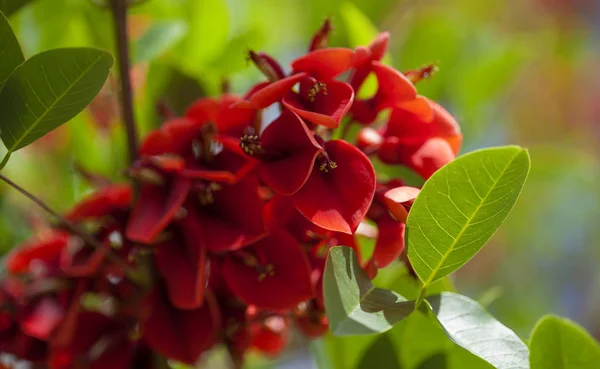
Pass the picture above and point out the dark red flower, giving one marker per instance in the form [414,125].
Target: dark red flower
[180,335]
[287,151]
[229,118]
[181,261]
[230,215]
[340,189]
[272,274]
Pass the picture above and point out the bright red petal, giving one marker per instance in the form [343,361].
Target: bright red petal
[46,316]
[394,87]
[46,249]
[274,91]
[338,199]
[399,199]
[325,64]
[102,202]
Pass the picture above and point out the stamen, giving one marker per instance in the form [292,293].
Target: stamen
[317,88]
[251,144]
[206,192]
[325,163]
[254,261]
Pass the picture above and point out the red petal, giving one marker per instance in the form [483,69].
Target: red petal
[326,110]
[429,157]
[102,202]
[156,143]
[288,286]
[204,110]
[390,241]
[288,135]
[228,165]
[180,335]
[182,263]
[338,200]
[399,199]
[273,92]
[47,249]
[46,316]
[325,64]
[394,87]
[234,219]
[155,209]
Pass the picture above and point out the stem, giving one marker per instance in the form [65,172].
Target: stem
[70,226]
[421,297]
[119,9]
[5,160]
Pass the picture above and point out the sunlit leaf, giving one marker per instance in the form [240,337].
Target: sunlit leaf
[461,206]
[354,306]
[48,90]
[10,6]
[11,55]
[558,343]
[471,327]
[208,30]
[158,39]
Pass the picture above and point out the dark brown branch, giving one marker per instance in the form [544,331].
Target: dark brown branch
[87,238]
[119,10]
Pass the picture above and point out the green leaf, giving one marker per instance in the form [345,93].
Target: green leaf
[11,55]
[471,327]
[10,6]
[461,206]
[158,39]
[353,305]
[558,343]
[48,90]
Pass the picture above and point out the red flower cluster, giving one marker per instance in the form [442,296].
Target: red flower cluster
[227,239]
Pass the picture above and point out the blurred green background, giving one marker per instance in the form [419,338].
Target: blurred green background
[519,72]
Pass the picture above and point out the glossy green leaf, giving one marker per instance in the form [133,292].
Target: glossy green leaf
[158,39]
[468,325]
[558,343]
[11,55]
[461,206]
[353,305]
[48,90]
[10,6]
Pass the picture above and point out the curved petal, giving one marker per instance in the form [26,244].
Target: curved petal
[325,64]
[339,198]
[399,199]
[155,208]
[234,219]
[273,92]
[182,263]
[390,241]
[284,287]
[427,158]
[327,109]
[288,136]
[180,335]
[102,202]
[394,87]
[47,249]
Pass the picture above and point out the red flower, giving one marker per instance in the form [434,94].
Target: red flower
[287,151]
[340,189]
[422,145]
[181,261]
[103,202]
[229,118]
[180,335]
[39,256]
[272,274]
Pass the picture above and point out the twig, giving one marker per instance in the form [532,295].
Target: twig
[70,226]
[119,10]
